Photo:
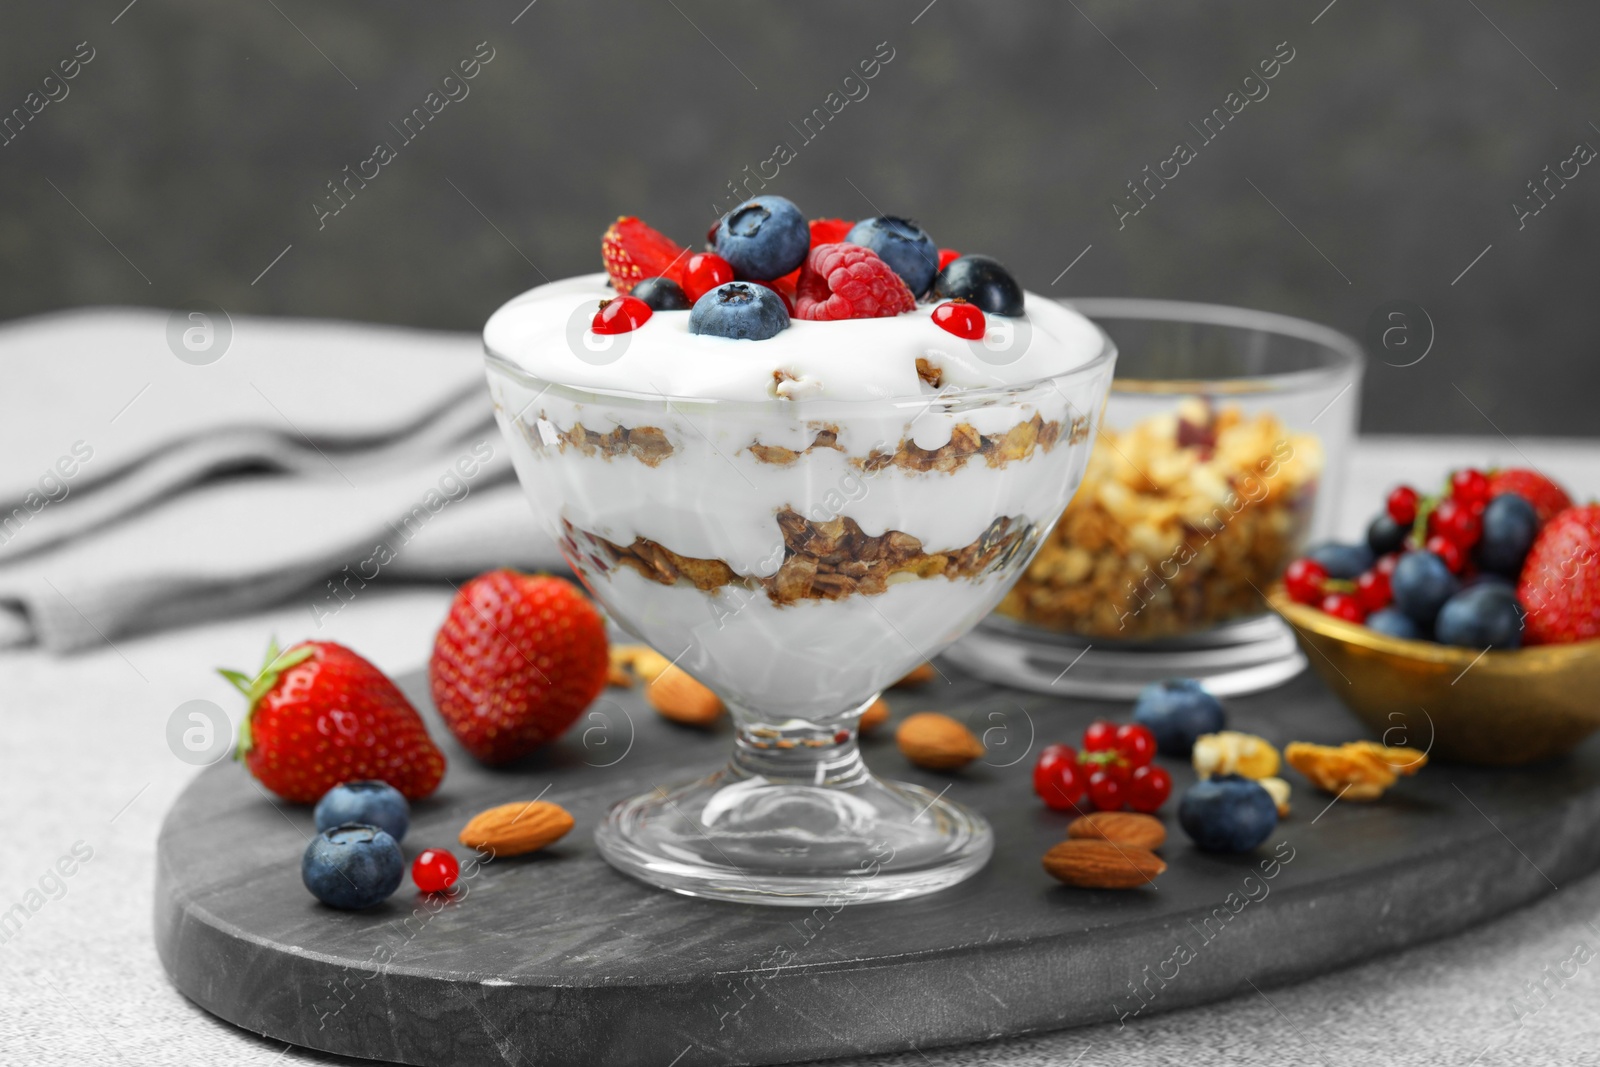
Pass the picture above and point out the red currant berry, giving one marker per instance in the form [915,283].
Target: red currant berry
[964,320]
[1303,580]
[1100,736]
[1372,590]
[1403,505]
[1052,757]
[1136,744]
[1455,520]
[704,272]
[1343,606]
[1470,486]
[1065,790]
[1149,788]
[788,305]
[946,255]
[1386,564]
[434,870]
[620,315]
[1448,551]
[1105,791]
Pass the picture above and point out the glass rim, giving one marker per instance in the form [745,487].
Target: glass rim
[1348,357]
[1086,371]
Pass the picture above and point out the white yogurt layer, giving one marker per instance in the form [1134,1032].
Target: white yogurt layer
[545,331]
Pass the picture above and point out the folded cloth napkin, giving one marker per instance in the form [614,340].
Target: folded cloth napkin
[311,459]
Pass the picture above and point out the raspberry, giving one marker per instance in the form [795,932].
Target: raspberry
[845,281]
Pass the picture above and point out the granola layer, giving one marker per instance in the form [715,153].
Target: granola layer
[821,560]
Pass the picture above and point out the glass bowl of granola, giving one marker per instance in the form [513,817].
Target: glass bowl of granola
[1219,458]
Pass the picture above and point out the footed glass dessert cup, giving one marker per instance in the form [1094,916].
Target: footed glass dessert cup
[797,557]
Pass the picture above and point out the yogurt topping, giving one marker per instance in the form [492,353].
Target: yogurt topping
[545,331]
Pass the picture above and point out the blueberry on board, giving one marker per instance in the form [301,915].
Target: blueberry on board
[352,866]
[739,310]
[1484,616]
[1342,561]
[1509,526]
[1421,583]
[661,294]
[372,803]
[900,243]
[1227,813]
[982,281]
[1395,623]
[1177,711]
[1385,535]
[764,238]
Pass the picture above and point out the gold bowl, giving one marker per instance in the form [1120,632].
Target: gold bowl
[1491,708]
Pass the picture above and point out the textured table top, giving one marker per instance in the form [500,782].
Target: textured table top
[85,771]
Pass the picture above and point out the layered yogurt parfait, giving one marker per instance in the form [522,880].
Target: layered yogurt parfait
[797,464]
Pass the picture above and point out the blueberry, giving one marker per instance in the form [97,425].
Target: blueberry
[1385,535]
[352,866]
[1341,561]
[661,294]
[1396,624]
[1484,616]
[764,238]
[739,310]
[1509,525]
[982,281]
[900,243]
[1421,584]
[372,803]
[1177,711]
[1489,578]
[1227,813]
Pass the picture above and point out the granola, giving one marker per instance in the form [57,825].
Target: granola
[1179,522]
[821,560]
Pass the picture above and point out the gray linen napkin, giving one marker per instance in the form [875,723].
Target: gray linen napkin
[311,459]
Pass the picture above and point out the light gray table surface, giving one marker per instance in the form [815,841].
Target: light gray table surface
[84,762]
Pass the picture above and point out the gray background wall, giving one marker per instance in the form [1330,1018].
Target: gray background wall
[1393,145]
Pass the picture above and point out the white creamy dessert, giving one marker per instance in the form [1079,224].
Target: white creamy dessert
[760,506]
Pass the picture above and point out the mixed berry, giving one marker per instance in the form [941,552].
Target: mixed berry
[1495,560]
[819,270]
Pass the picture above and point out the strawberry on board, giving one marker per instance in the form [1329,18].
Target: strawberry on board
[1548,498]
[517,660]
[633,252]
[319,715]
[1560,584]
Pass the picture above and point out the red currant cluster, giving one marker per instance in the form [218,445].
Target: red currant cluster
[1114,771]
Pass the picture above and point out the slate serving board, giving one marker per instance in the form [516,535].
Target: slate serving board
[557,959]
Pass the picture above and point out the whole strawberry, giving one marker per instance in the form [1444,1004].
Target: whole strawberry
[1560,584]
[517,660]
[319,715]
[1548,498]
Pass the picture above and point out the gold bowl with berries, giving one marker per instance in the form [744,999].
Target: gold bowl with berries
[1462,705]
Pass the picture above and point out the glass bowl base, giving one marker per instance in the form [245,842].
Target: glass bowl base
[756,840]
[1240,657]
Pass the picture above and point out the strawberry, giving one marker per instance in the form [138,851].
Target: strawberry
[846,281]
[1560,584]
[633,252]
[319,715]
[517,660]
[1546,496]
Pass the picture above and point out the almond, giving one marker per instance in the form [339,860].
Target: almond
[919,675]
[1091,864]
[1122,827]
[515,828]
[937,742]
[876,715]
[682,699]
[642,660]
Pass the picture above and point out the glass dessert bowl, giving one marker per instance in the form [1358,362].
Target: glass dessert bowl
[796,522]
